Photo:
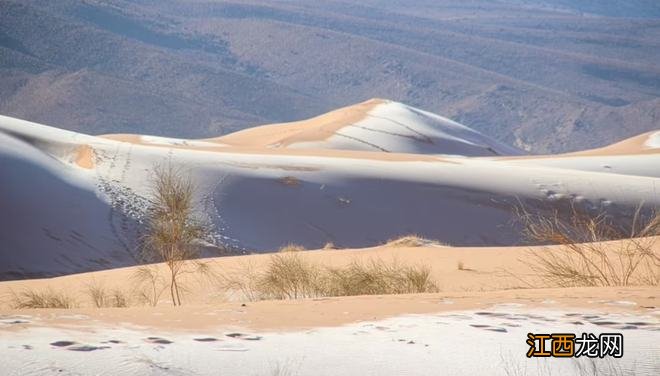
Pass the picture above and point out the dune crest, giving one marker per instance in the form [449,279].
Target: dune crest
[323,180]
[374,125]
[644,143]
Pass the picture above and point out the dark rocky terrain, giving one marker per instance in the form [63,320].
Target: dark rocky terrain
[544,75]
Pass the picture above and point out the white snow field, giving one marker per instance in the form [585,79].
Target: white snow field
[490,342]
[72,202]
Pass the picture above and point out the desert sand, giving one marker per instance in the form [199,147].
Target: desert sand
[73,208]
[487,276]
[484,310]
[296,186]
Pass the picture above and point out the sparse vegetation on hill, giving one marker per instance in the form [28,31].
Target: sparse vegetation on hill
[290,276]
[292,248]
[585,258]
[47,298]
[101,297]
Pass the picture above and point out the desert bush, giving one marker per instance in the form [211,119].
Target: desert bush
[102,298]
[119,299]
[289,276]
[585,257]
[377,278]
[174,233]
[292,248]
[42,299]
[149,285]
[97,294]
[244,281]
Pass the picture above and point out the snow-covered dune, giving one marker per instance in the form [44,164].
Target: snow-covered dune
[52,220]
[639,155]
[73,202]
[375,125]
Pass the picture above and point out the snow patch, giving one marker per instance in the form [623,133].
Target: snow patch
[653,142]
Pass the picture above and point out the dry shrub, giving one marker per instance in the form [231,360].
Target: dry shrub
[584,257]
[174,233]
[244,281]
[289,276]
[377,278]
[119,299]
[292,248]
[149,285]
[412,241]
[460,265]
[97,294]
[102,298]
[42,299]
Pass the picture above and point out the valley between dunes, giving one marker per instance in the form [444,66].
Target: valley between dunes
[340,186]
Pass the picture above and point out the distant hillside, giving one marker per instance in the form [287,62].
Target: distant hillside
[615,8]
[544,75]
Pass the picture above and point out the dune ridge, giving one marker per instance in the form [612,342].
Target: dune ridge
[430,166]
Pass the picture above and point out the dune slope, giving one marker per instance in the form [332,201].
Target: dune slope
[263,188]
[375,125]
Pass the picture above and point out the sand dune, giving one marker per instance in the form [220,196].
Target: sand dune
[644,143]
[74,203]
[485,309]
[298,182]
[374,125]
[53,220]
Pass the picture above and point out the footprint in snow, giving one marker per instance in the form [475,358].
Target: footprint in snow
[87,348]
[244,337]
[62,343]
[206,339]
[158,340]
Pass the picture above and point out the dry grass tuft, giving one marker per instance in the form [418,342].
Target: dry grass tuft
[97,294]
[377,278]
[585,258]
[330,245]
[292,248]
[412,241]
[290,181]
[290,276]
[42,299]
[119,299]
[460,265]
[102,298]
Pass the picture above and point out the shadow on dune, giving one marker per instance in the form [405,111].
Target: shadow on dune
[50,218]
